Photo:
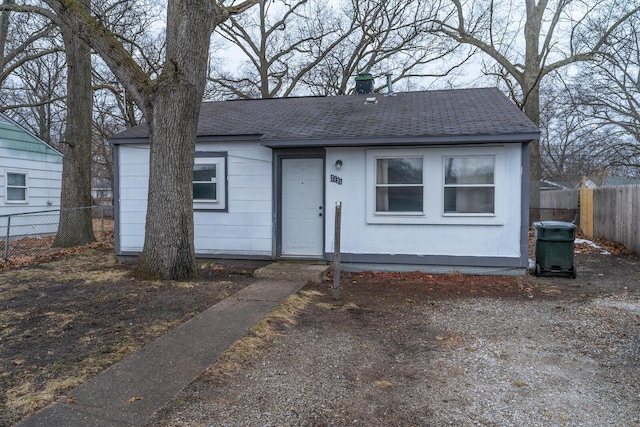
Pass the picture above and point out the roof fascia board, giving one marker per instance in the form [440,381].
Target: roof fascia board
[408,140]
[199,139]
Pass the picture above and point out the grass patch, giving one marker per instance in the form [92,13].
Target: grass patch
[24,399]
[67,318]
[326,306]
[186,285]
[260,336]
[10,292]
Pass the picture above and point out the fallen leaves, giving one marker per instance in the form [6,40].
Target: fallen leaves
[135,399]
[31,251]
[601,244]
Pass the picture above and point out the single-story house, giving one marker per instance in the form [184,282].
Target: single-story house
[30,180]
[431,180]
[101,192]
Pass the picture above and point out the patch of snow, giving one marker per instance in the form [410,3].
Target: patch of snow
[593,245]
[532,264]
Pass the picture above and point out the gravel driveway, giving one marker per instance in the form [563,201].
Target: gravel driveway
[428,350]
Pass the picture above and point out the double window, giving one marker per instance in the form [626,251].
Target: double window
[16,188]
[429,185]
[210,181]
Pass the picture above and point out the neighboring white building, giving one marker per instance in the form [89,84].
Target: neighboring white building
[434,180]
[30,179]
[101,192]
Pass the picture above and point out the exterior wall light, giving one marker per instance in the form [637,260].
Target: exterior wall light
[338,164]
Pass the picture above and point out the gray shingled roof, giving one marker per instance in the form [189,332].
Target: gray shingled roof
[471,115]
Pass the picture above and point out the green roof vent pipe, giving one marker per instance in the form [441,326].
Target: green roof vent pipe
[364,83]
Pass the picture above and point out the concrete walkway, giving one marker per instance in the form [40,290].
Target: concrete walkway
[129,392]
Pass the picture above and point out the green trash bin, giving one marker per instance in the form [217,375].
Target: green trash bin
[554,248]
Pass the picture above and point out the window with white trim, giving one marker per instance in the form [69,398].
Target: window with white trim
[461,185]
[16,187]
[209,182]
[399,185]
[469,185]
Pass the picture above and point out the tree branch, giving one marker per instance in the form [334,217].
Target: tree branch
[96,35]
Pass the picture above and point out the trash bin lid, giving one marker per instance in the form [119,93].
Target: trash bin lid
[559,225]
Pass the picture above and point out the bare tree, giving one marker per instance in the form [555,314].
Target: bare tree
[385,36]
[76,227]
[310,46]
[114,108]
[23,37]
[608,93]
[29,55]
[171,105]
[571,147]
[281,42]
[529,41]
[35,96]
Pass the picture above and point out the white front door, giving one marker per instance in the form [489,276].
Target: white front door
[302,207]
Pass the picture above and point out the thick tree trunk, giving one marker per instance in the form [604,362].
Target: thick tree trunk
[532,110]
[171,105]
[168,246]
[531,94]
[75,226]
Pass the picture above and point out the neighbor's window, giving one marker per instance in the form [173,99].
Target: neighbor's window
[469,185]
[16,187]
[209,182]
[399,185]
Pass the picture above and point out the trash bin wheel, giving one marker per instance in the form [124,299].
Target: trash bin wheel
[537,270]
[574,272]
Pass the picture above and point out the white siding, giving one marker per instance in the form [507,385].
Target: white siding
[246,227]
[44,180]
[433,233]
[133,167]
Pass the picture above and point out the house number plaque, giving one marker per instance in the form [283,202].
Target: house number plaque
[336,179]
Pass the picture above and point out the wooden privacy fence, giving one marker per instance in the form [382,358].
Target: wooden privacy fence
[586,211]
[612,213]
[559,205]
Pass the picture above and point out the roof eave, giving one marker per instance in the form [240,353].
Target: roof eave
[199,139]
[517,138]
[37,139]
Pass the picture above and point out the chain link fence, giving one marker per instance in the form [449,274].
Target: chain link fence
[31,234]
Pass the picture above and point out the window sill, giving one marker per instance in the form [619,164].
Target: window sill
[208,207]
[454,220]
[399,214]
[468,215]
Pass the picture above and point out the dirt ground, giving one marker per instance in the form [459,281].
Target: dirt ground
[415,349]
[65,320]
[397,349]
